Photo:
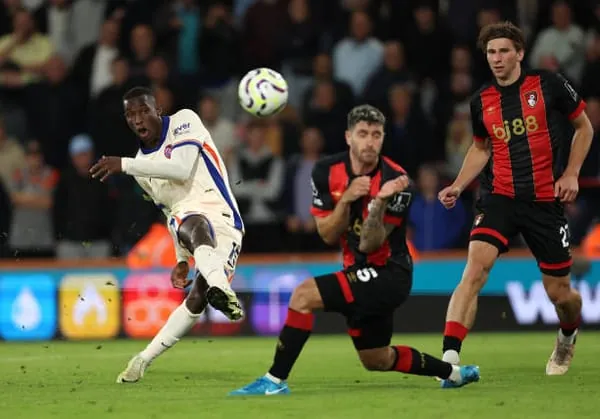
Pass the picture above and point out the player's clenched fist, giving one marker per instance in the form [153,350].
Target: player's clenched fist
[359,187]
[392,187]
[179,275]
[106,166]
[448,196]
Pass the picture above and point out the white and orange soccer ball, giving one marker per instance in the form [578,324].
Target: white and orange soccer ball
[263,92]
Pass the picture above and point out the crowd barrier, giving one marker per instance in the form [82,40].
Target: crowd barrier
[106,300]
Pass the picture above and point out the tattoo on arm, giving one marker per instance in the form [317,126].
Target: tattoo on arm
[373,231]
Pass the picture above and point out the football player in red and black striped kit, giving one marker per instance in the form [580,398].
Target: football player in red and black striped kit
[518,126]
[361,201]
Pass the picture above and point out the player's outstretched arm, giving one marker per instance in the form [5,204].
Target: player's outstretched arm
[477,157]
[475,160]
[179,167]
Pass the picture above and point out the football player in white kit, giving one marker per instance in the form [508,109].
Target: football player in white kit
[180,168]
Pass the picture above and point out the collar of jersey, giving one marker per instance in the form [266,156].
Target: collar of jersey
[351,174]
[516,84]
[163,136]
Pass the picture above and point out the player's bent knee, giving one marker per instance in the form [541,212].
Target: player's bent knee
[482,256]
[306,297]
[378,364]
[558,288]
[196,231]
[378,359]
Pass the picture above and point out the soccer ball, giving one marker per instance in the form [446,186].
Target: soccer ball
[263,92]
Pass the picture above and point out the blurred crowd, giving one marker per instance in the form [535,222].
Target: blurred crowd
[64,65]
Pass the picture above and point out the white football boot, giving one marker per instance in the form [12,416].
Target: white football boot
[562,355]
[134,371]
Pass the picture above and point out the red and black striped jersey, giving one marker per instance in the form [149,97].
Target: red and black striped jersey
[330,178]
[525,123]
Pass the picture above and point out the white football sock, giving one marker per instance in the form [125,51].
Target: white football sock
[208,264]
[455,374]
[451,356]
[566,339]
[273,378]
[178,324]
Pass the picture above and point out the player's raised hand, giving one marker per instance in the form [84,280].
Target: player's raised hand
[358,188]
[566,188]
[448,196]
[392,187]
[179,275]
[106,166]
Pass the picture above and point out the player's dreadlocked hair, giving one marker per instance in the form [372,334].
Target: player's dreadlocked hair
[501,30]
[136,92]
[365,113]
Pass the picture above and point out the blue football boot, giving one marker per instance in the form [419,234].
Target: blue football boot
[468,374]
[262,387]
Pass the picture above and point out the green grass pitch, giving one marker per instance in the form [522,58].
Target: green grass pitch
[72,380]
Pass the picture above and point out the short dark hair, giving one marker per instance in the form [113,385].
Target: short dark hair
[137,92]
[501,30]
[365,113]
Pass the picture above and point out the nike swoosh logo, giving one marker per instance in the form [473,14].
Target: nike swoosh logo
[270,393]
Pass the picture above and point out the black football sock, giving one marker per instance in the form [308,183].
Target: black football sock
[451,343]
[454,334]
[411,361]
[292,338]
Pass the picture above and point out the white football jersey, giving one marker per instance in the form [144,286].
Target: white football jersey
[207,189]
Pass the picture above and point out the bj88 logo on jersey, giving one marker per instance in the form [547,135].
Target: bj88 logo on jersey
[516,127]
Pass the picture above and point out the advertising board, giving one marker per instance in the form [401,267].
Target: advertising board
[103,303]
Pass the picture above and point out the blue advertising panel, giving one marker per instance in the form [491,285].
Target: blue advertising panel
[27,307]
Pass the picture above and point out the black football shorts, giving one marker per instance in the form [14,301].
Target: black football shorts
[542,224]
[367,296]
